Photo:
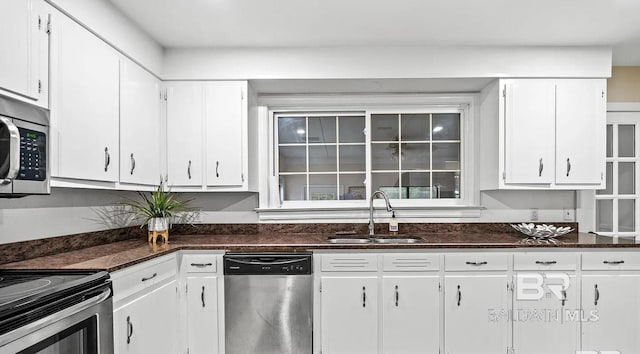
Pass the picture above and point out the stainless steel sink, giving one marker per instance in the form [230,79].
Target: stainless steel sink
[349,240]
[360,240]
[398,240]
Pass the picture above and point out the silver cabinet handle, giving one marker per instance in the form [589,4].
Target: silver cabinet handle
[107,159]
[397,296]
[564,297]
[568,166]
[151,277]
[129,329]
[217,165]
[613,262]
[201,265]
[14,152]
[476,263]
[540,168]
[189,169]
[133,163]
[597,295]
[459,295]
[202,297]
[546,262]
[364,296]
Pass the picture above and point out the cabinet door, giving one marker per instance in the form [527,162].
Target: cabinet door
[202,315]
[611,304]
[529,128]
[410,314]
[225,114]
[148,324]
[139,125]
[549,318]
[85,106]
[349,315]
[184,134]
[21,27]
[470,301]
[580,132]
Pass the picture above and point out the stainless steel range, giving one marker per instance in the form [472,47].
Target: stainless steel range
[56,313]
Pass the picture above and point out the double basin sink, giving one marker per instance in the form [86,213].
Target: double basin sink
[366,239]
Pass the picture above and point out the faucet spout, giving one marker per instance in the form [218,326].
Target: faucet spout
[389,209]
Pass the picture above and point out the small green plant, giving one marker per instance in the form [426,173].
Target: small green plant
[161,203]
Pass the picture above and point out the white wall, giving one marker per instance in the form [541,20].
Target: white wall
[106,20]
[386,62]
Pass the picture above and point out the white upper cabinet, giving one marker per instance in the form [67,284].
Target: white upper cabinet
[543,134]
[580,132]
[139,125]
[226,116]
[24,43]
[85,103]
[185,108]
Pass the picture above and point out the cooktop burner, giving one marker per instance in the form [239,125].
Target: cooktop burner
[15,286]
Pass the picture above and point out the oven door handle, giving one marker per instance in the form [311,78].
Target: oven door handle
[14,151]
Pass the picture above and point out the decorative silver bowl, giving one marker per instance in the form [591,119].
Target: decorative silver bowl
[542,232]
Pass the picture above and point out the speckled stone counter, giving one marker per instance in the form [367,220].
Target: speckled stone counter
[120,254]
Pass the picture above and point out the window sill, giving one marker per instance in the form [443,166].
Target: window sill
[361,214]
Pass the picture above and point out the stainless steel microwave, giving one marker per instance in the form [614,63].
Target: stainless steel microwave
[24,149]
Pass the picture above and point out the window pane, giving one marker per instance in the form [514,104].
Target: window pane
[626,141]
[446,126]
[388,183]
[351,129]
[604,215]
[293,187]
[446,156]
[626,178]
[384,127]
[415,156]
[609,140]
[418,185]
[352,158]
[322,129]
[446,185]
[353,186]
[291,130]
[609,186]
[322,158]
[415,127]
[323,187]
[384,156]
[292,159]
[626,215]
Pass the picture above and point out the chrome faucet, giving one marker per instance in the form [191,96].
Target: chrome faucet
[389,209]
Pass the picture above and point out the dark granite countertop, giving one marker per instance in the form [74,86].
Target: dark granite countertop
[121,254]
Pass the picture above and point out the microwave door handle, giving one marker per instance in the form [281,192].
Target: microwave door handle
[14,151]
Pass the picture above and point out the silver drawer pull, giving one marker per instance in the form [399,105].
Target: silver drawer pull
[364,296]
[189,170]
[397,296]
[107,159]
[151,277]
[129,329]
[613,262]
[597,295]
[217,166]
[202,297]
[133,164]
[540,168]
[201,265]
[564,297]
[476,263]
[459,295]
[546,262]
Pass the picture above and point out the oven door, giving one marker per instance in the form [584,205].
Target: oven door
[85,328]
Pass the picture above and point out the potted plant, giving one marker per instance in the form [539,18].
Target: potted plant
[158,210]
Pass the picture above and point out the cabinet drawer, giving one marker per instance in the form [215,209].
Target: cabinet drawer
[137,278]
[199,263]
[611,261]
[349,263]
[476,262]
[411,262]
[545,261]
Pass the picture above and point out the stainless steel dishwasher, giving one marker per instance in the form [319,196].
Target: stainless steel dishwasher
[268,303]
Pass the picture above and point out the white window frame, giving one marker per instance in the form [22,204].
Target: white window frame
[272,209]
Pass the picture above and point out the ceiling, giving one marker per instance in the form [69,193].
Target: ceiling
[318,23]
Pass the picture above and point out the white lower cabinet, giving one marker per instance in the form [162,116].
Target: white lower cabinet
[349,314]
[202,315]
[410,314]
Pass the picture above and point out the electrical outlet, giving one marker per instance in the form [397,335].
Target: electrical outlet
[568,215]
[534,214]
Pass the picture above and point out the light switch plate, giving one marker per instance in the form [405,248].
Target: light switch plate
[568,215]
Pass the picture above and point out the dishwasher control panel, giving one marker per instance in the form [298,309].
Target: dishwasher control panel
[268,263]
